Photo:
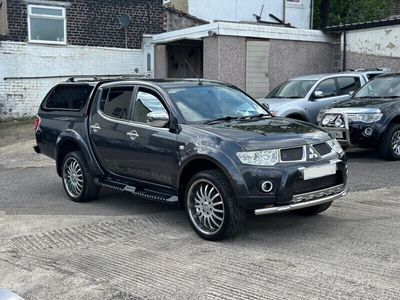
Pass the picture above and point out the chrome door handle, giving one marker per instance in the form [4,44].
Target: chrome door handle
[133,135]
[96,127]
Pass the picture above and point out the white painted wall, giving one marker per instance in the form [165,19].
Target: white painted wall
[242,10]
[21,97]
[381,41]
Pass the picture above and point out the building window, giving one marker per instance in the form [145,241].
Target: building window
[47,24]
[148,63]
[293,1]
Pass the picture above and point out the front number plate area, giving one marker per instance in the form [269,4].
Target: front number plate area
[336,134]
[320,171]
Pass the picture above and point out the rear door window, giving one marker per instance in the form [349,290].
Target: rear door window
[68,97]
[348,84]
[115,102]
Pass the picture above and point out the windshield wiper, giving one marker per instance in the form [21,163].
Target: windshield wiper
[377,97]
[218,120]
[283,97]
[259,116]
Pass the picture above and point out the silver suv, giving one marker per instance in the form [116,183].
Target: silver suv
[303,97]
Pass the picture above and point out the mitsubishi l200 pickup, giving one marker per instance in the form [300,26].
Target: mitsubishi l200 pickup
[203,144]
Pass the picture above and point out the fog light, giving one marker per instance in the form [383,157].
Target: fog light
[368,131]
[267,186]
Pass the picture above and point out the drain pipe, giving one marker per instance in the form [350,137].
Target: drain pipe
[311,14]
[284,11]
[344,50]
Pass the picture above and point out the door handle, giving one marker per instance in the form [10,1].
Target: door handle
[96,127]
[133,135]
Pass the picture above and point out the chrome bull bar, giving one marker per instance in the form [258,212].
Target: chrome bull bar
[320,197]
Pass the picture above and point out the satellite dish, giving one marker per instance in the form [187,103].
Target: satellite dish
[124,21]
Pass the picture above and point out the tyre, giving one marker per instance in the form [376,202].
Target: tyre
[312,210]
[77,180]
[390,146]
[211,206]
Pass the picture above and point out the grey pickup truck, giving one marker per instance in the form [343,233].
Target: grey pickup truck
[202,144]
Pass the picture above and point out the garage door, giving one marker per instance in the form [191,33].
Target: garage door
[257,61]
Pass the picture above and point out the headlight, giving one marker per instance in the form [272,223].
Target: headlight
[366,118]
[334,144]
[259,158]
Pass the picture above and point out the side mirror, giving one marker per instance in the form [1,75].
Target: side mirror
[318,94]
[351,93]
[157,119]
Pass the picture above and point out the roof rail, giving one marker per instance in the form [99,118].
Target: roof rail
[102,77]
[367,70]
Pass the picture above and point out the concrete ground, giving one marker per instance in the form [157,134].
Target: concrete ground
[118,247]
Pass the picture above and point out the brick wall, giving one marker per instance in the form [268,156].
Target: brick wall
[21,97]
[95,22]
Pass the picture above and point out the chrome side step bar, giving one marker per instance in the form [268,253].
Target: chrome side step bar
[143,193]
[279,209]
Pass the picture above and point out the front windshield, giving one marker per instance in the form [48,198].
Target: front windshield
[205,103]
[292,89]
[381,87]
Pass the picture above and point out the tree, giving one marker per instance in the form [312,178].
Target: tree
[352,11]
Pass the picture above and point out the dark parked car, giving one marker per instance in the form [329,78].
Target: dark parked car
[371,118]
[203,144]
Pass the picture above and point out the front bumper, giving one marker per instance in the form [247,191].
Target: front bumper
[291,188]
[327,195]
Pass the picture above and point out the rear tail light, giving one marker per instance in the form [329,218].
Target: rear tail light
[36,124]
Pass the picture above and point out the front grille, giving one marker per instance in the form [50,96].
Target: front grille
[301,186]
[292,154]
[322,149]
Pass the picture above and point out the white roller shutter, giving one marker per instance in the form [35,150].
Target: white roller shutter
[257,64]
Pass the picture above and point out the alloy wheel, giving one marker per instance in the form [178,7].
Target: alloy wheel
[396,142]
[206,206]
[73,177]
